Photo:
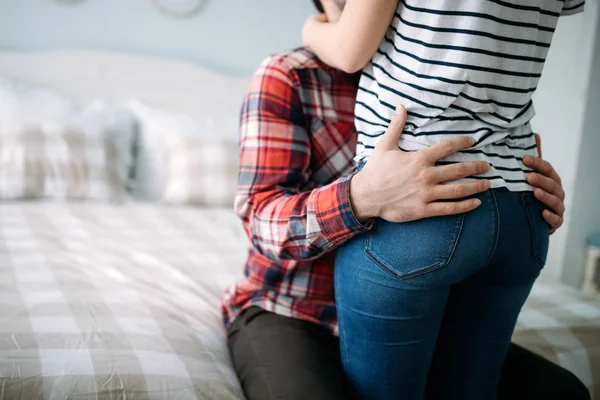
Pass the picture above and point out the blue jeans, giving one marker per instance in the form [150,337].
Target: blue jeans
[427,308]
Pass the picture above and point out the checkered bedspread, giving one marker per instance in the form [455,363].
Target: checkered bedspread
[101,301]
[563,325]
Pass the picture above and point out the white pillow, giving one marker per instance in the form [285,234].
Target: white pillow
[201,172]
[161,133]
[21,104]
[52,147]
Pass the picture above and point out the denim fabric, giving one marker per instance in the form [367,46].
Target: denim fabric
[426,309]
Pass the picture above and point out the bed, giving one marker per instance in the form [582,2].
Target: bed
[121,300]
[104,301]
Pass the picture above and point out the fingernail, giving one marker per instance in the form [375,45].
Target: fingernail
[471,141]
[477,202]
[526,159]
[400,109]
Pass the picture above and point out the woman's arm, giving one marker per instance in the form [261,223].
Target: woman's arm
[351,42]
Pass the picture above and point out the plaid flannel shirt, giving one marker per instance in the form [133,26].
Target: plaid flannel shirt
[297,145]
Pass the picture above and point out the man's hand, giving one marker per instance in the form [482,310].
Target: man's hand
[400,187]
[548,190]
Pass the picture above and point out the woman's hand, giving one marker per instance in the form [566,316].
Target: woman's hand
[311,28]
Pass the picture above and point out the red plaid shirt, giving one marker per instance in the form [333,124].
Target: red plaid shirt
[297,145]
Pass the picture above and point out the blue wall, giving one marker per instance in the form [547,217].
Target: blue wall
[230,35]
[585,210]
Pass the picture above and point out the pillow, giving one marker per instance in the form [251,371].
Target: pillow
[54,148]
[21,104]
[163,133]
[201,172]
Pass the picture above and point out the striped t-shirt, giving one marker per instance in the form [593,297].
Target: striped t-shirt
[462,67]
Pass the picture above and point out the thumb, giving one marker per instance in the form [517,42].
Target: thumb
[389,140]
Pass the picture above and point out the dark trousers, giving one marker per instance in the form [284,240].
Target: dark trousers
[280,358]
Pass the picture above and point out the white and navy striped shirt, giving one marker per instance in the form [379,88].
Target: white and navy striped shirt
[462,67]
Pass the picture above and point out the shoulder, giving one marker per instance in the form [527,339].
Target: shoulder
[287,65]
[277,84]
[293,60]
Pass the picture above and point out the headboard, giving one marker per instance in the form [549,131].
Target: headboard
[171,84]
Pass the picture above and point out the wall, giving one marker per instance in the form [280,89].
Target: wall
[231,35]
[234,35]
[585,208]
[560,102]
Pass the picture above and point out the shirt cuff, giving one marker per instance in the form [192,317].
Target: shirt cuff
[334,212]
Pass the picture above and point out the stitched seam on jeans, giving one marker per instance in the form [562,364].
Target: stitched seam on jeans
[367,245]
[454,239]
[343,352]
[534,243]
[453,243]
[497,234]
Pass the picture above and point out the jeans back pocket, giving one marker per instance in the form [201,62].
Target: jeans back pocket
[409,249]
[540,230]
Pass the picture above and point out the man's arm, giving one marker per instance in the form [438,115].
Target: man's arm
[403,186]
[283,219]
[549,189]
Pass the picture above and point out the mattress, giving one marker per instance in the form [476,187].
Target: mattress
[116,302]
[104,301]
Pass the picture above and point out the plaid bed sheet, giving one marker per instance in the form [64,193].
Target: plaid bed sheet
[563,325]
[123,302]
[109,302]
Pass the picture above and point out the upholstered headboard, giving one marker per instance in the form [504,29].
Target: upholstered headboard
[171,84]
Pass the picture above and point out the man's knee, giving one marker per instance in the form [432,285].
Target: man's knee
[277,357]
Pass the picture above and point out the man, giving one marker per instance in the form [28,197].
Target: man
[297,203]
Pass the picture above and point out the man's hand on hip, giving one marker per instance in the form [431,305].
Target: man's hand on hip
[400,187]
[549,189]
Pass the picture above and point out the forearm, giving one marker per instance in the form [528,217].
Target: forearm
[301,226]
[350,43]
[326,40]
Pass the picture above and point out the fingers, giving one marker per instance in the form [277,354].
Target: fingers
[554,203]
[548,190]
[389,140]
[553,220]
[543,167]
[538,143]
[447,148]
[554,215]
[440,209]
[457,190]
[546,184]
[447,173]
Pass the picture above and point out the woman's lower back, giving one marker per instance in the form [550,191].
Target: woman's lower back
[462,68]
